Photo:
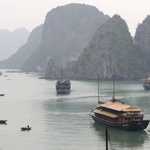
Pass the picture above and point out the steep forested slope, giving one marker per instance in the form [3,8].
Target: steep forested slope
[142,42]
[67,31]
[112,45]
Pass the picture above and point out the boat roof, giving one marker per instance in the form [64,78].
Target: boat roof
[63,81]
[105,113]
[118,106]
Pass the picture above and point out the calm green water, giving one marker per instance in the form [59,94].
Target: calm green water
[62,122]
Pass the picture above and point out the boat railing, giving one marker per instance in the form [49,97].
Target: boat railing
[131,115]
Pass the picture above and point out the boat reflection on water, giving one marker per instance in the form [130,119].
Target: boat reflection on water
[122,138]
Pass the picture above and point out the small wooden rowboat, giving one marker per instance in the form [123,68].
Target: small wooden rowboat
[25,128]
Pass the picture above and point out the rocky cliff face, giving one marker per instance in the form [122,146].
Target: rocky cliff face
[59,46]
[67,31]
[112,45]
[142,42]
[19,58]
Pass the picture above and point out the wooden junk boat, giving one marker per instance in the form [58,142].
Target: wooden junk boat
[63,86]
[146,84]
[117,114]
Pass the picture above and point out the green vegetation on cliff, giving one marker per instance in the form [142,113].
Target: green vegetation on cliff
[112,45]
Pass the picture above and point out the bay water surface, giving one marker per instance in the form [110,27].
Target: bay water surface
[62,122]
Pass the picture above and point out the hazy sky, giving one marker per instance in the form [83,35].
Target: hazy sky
[31,13]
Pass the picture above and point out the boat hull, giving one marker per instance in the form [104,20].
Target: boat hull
[63,91]
[3,121]
[26,128]
[146,87]
[133,125]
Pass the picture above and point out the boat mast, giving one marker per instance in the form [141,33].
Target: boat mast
[106,138]
[113,97]
[98,89]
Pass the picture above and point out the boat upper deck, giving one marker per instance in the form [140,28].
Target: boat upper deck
[106,113]
[119,107]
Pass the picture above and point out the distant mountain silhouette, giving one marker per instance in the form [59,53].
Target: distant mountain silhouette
[11,41]
[24,52]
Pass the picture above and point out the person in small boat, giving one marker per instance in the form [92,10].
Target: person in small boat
[28,126]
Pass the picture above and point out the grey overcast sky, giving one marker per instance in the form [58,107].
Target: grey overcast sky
[31,13]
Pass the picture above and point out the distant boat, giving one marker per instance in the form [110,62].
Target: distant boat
[63,86]
[146,84]
[3,121]
[2,94]
[26,128]
[117,114]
